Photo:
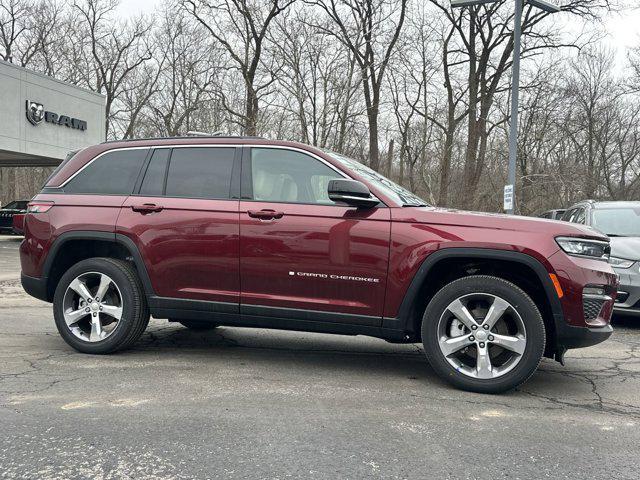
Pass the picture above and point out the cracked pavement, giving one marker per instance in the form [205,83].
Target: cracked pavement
[249,403]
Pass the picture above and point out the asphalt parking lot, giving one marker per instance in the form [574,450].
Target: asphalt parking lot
[247,403]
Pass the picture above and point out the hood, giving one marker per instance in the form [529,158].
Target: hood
[496,221]
[625,247]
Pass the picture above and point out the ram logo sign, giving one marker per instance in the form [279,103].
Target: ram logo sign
[36,113]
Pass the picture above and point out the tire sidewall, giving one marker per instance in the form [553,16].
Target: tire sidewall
[126,323]
[522,303]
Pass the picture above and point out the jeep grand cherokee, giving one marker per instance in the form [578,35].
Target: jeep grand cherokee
[256,233]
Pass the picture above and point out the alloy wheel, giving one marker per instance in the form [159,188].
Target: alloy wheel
[482,335]
[92,306]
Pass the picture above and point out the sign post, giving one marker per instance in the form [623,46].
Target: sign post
[508,198]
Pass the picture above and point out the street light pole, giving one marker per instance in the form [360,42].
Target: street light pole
[515,103]
[549,7]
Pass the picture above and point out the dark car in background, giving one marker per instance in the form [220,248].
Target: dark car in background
[8,212]
[553,214]
[621,222]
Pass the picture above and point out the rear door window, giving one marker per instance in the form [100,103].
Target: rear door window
[114,173]
[200,172]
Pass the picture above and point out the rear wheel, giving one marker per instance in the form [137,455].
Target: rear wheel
[483,334]
[197,325]
[99,306]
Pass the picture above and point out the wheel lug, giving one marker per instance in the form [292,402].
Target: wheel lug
[485,326]
[472,338]
[89,300]
[491,338]
[100,307]
[95,314]
[97,300]
[474,327]
[87,309]
[481,344]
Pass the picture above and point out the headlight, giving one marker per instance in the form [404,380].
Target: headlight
[582,247]
[621,262]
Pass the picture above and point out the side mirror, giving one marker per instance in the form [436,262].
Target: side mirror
[352,193]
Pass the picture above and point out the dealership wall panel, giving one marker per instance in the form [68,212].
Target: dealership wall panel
[41,120]
[21,138]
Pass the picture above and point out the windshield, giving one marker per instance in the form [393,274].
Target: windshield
[402,195]
[618,222]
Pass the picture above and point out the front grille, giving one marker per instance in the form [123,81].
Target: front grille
[592,307]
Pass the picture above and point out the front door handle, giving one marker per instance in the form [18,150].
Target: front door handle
[265,214]
[146,208]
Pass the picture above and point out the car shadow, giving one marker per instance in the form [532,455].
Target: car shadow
[306,350]
[349,357]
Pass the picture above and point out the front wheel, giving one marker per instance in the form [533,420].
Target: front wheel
[483,334]
[99,306]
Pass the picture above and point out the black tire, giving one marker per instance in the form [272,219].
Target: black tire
[519,300]
[197,325]
[135,312]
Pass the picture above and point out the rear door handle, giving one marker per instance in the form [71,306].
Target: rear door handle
[265,214]
[146,208]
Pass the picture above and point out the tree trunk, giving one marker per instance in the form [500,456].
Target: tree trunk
[388,166]
[374,151]
[445,170]
[251,120]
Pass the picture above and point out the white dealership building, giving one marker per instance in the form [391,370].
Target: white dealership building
[41,121]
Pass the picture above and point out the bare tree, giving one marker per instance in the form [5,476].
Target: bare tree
[114,49]
[370,29]
[485,40]
[318,81]
[241,27]
[14,16]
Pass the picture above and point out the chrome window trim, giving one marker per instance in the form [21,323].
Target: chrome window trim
[206,145]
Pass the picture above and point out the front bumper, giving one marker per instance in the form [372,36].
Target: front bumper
[568,336]
[582,324]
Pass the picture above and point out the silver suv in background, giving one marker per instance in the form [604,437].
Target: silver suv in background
[553,214]
[621,222]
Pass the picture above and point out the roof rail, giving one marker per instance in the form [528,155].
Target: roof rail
[182,137]
[195,133]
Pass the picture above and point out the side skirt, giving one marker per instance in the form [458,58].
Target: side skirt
[257,316]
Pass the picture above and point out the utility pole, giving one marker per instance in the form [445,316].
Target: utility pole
[510,187]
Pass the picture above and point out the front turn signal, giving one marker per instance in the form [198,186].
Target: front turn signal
[556,284]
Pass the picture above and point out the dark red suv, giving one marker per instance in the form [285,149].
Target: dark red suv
[211,231]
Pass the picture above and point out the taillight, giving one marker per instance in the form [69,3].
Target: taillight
[39,207]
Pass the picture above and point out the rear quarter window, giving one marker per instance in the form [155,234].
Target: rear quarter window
[113,173]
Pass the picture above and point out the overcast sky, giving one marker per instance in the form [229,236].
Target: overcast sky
[623,29]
